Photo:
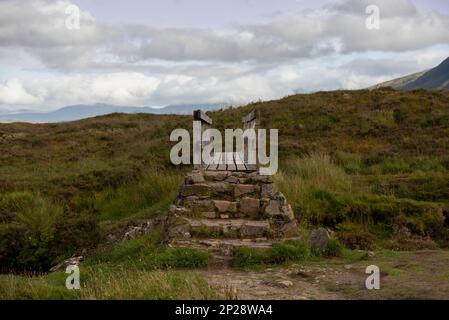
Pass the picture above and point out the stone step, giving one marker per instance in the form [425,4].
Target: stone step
[226,247]
[227,228]
[233,177]
[225,191]
[246,207]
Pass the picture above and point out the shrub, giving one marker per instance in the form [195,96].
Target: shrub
[42,234]
[279,253]
[289,251]
[181,258]
[356,237]
[146,253]
[410,243]
[333,249]
[245,257]
[12,237]
[14,202]
[155,191]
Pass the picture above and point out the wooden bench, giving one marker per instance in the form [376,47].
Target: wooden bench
[228,161]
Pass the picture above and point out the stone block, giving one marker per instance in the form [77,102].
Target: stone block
[268,190]
[223,206]
[249,206]
[195,190]
[194,177]
[242,189]
[254,229]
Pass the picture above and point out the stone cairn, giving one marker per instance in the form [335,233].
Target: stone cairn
[222,210]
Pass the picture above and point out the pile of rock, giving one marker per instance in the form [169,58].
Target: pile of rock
[246,207]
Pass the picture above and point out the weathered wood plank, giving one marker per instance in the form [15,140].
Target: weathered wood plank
[200,115]
[240,166]
[215,161]
[251,167]
[222,162]
[249,117]
[230,161]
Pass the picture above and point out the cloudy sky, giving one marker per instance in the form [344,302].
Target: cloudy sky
[154,53]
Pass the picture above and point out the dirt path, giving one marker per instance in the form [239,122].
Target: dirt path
[404,275]
[275,284]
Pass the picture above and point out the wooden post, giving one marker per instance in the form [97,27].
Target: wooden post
[205,122]
[251,121]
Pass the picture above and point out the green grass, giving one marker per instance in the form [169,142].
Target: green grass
[120,284]
[281,253]
[135,269]
[376,159]
[154,193]
[146,253]
[358,206]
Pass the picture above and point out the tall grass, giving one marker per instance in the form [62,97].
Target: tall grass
[120,284]
[148,285]
[150,194]
[146,253]
[40,217]
[303,180]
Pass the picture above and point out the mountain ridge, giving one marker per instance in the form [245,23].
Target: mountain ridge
[434,78]
[83,111]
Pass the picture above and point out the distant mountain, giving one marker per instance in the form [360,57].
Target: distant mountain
[436,78]
[399,83]
[78,112]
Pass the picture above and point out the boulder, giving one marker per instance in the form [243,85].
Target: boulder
[290,229]
[73,261]
[319,238]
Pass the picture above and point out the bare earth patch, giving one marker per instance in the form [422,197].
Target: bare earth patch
[404,275]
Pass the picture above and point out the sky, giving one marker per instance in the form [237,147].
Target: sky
[155,53]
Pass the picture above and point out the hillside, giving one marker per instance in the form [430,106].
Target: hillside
[435,78]
[399,83]
[370,165]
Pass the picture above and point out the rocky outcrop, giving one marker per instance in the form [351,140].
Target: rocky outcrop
[73,261]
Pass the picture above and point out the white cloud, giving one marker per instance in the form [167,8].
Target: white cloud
[12,92]
[146,65]
[38,27]
[122,88]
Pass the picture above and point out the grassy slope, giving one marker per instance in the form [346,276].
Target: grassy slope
[365,163]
